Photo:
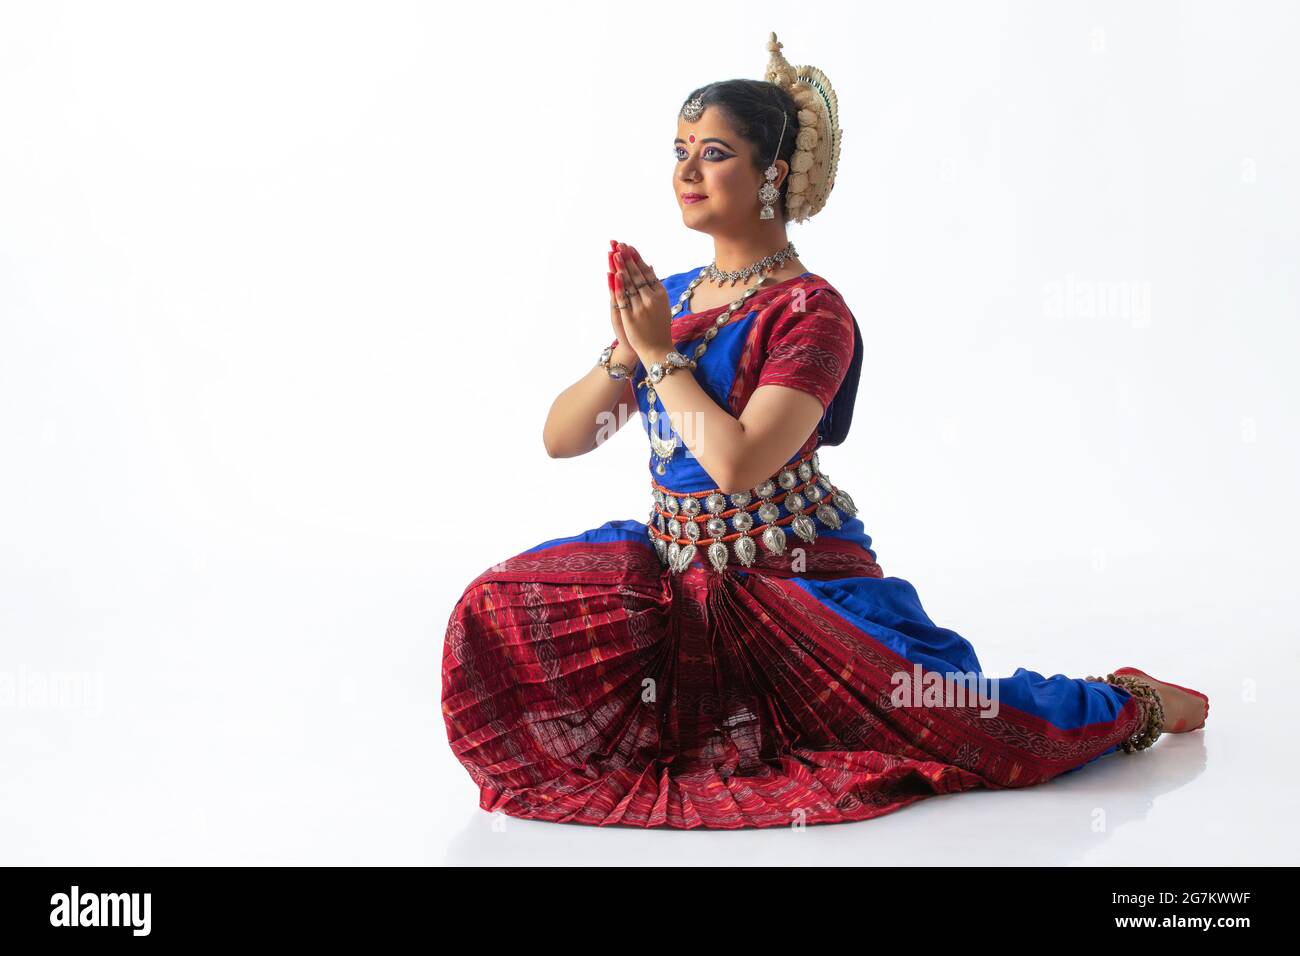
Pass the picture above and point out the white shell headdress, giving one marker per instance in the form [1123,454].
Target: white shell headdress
[817,142]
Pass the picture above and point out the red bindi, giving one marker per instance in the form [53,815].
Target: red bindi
[691,137]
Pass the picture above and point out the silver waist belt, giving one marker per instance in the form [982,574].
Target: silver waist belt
[792,500]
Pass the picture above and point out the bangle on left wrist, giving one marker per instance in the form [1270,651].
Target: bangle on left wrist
[671,362]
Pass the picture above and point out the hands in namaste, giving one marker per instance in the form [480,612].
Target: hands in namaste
[638,305]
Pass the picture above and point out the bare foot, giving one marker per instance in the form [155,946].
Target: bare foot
[1185,709]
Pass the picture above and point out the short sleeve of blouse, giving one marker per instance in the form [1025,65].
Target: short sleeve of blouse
[810,349]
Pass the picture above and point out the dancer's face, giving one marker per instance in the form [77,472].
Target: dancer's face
[715,162]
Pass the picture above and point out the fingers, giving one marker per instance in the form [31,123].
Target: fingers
[616,305]
[622,288]
[639,275]
[624,284]
[617,301]
[643,273]
[618,279]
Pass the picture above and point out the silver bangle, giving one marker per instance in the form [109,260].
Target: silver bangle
[671,363]
[616,370]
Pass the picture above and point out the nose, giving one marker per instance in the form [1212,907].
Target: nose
[688,171]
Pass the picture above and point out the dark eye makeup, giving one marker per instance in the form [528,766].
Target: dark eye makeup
[708,149]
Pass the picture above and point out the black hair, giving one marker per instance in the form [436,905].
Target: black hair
[758,110]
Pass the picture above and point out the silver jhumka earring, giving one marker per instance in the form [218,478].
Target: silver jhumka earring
[768,193]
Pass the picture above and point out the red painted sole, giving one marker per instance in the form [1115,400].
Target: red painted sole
[1142,673]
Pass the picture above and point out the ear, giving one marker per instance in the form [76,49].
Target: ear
[782,171]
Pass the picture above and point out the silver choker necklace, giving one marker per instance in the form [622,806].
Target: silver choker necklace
[762,265]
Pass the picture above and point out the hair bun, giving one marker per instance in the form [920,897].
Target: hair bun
[817,155]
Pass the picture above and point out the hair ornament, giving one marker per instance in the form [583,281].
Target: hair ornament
[817,141]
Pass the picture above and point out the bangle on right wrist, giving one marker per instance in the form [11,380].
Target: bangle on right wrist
[616,370]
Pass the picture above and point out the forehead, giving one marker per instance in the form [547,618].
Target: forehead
[710,123]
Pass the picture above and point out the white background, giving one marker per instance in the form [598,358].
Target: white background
[286,291]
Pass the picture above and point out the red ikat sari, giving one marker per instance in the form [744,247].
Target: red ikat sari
[585,682]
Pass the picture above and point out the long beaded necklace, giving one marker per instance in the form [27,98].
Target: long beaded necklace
[664,448]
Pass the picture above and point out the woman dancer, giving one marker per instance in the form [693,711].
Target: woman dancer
[739,659]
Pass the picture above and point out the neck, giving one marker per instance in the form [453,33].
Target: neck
[734,253]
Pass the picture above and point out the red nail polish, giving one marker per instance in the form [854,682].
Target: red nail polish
[610,257]
[611,282]
[613,244]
